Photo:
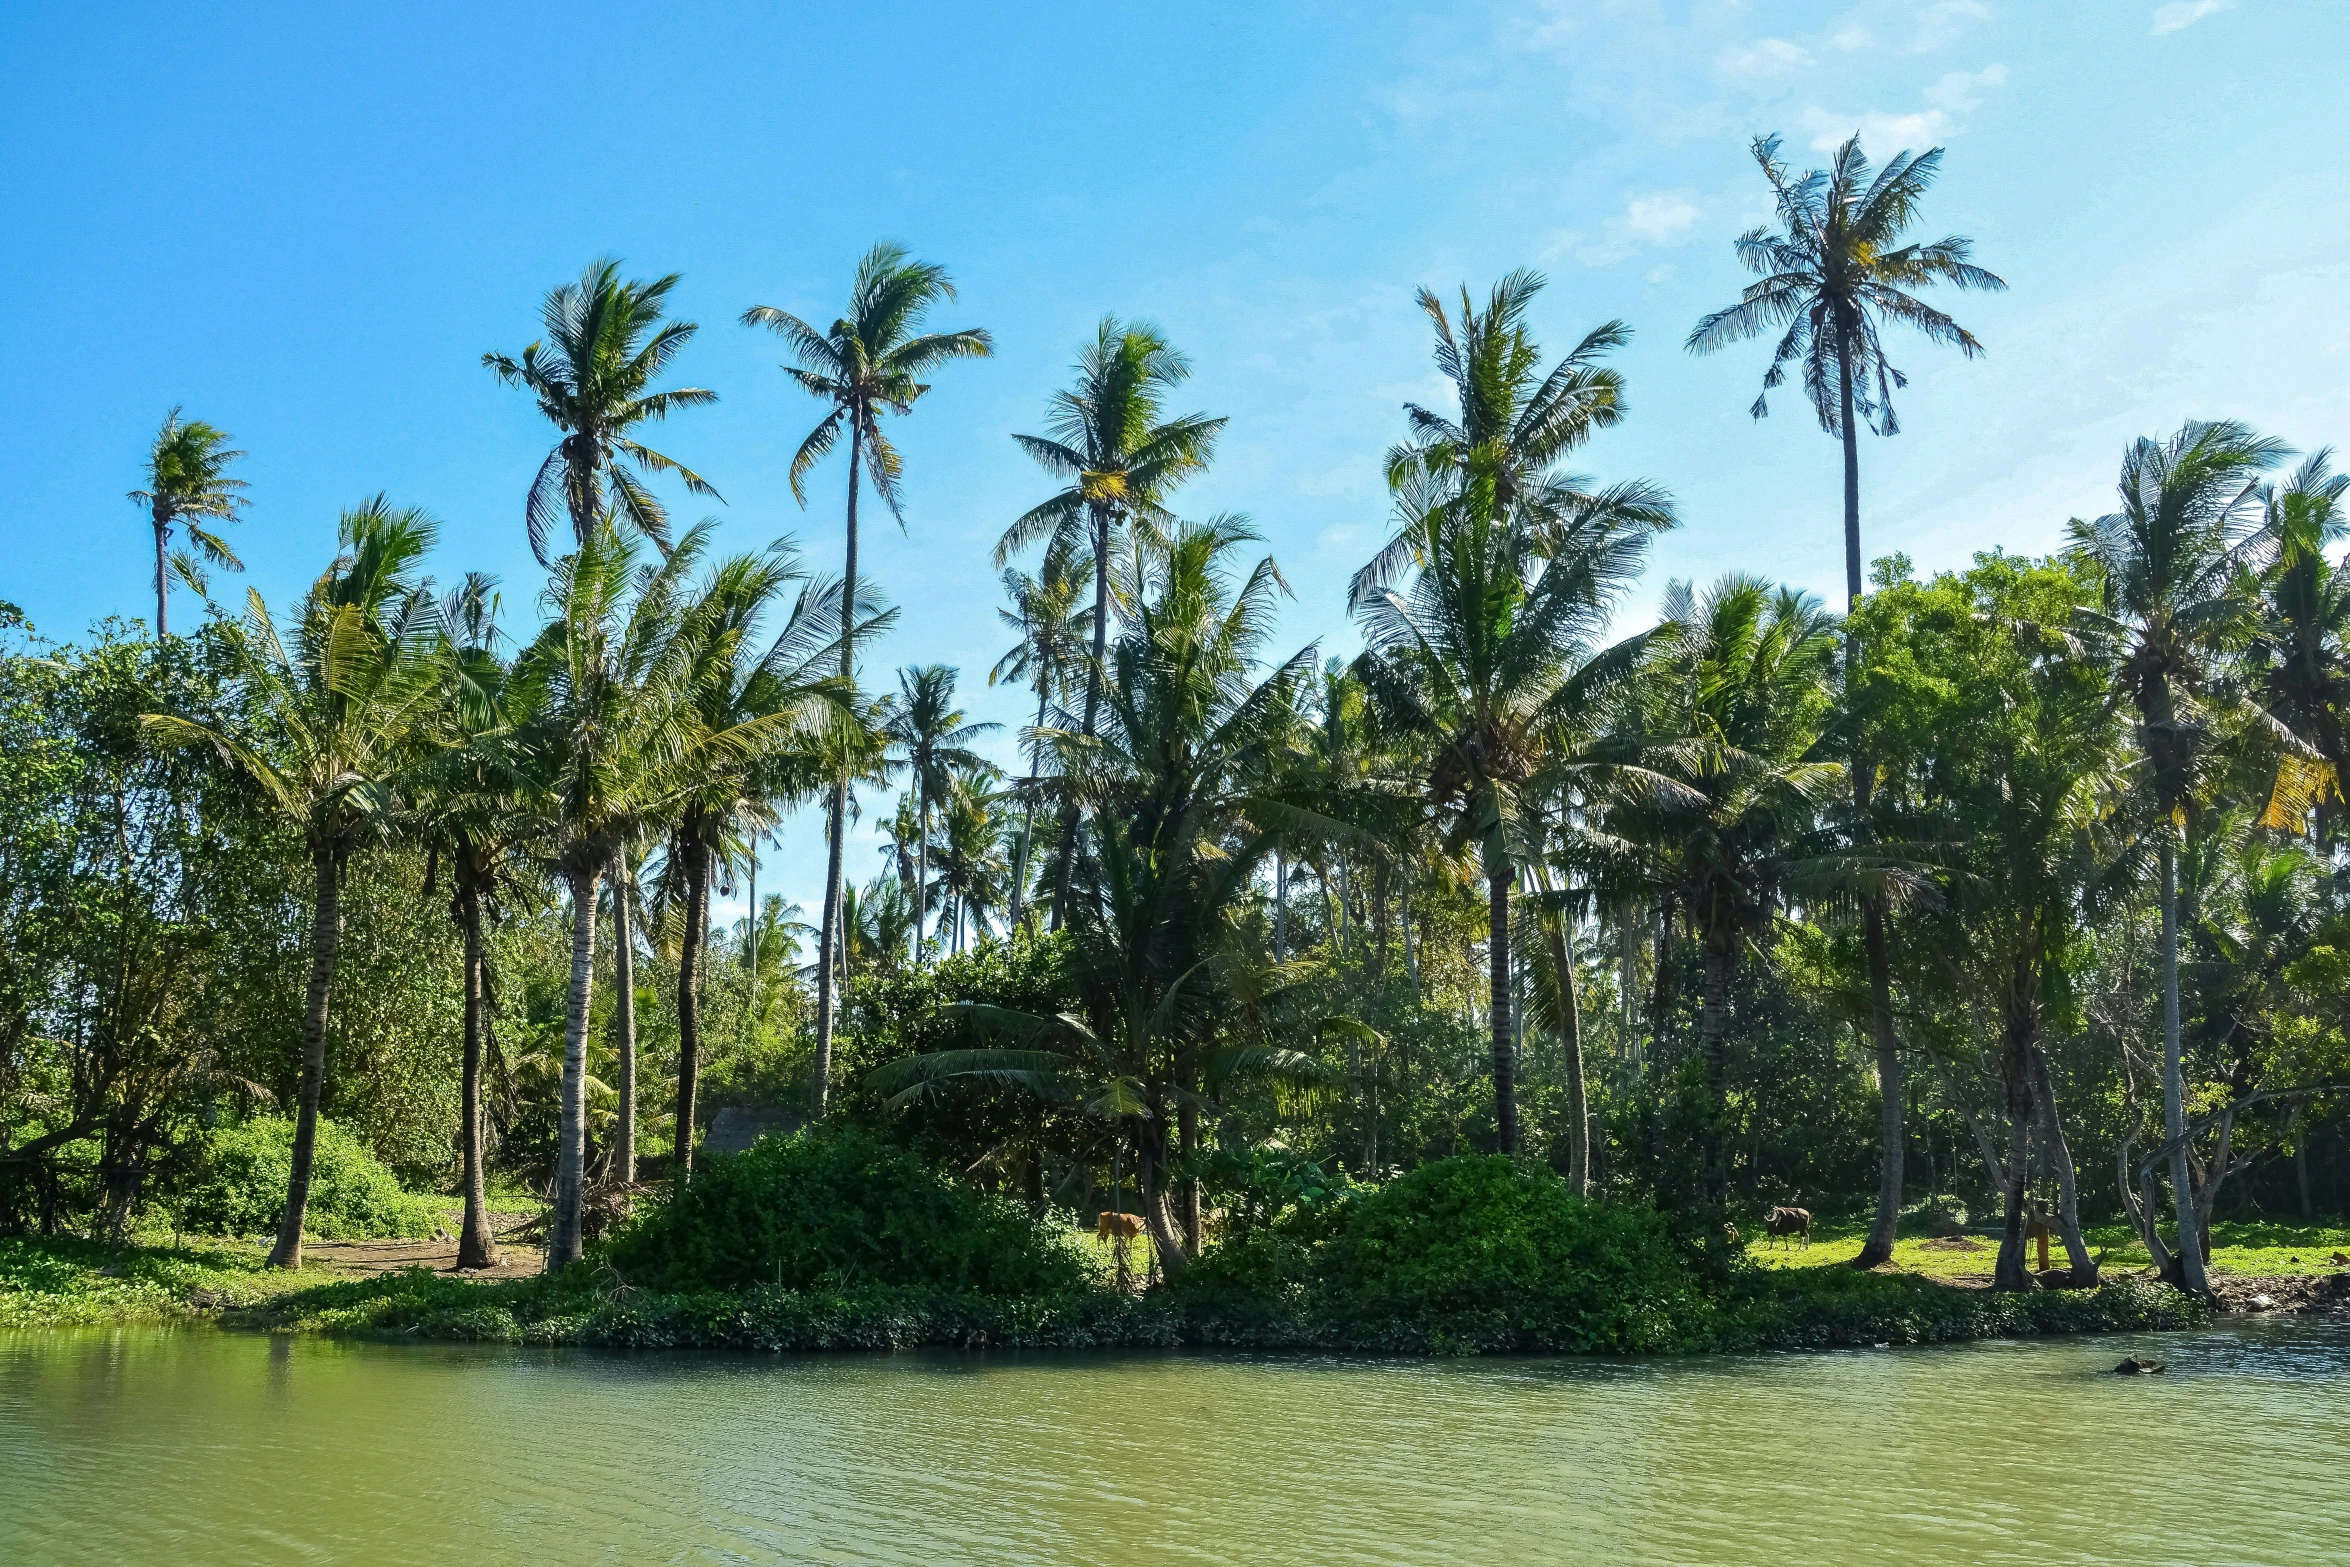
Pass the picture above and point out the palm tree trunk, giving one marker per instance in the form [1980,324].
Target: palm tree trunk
[1562,957]
[1851,462]
[1028,807]
[1713,1027]
[1878,1248]
[1093,698]
[837,816]
[1281,906]
[1505,1062]
[477,1247]
[921,859]
[1187,1135]
[689,997]
[162,626]
[624,1020]
[563,1235]
[2068,1191]
[2174,1097]
[2019,1030]
[1150,1175]
[326,929]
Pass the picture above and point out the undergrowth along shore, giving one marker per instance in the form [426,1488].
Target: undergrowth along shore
[79,1283]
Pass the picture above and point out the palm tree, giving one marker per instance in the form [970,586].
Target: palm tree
[605,345]
[473,822]
[1488,659]
[972,869]
[931,739]
[187,485]
[2171,560]
[1733,712]
[1106,436]
[1832,273]
[732,683]
[1046,616]
[1514,422]
[345,707]
[1166,787]
[2301,638]
[870,360]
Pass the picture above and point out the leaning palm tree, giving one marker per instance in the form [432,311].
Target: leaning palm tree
[592,374]
[869,361]
[188,486]
[1515,422]
[345,708]
[932,739]
[1832,273]
[1046,616]
[2172,561]
[1490,656]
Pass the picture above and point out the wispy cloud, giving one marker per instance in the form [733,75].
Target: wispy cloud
[1763,57]
[1885,130]
[1654,221]
[2184,13]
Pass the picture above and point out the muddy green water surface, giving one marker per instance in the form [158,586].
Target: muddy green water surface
[197,1447]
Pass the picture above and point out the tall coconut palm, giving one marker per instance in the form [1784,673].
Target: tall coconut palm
[1515,422]
[188,486]
[605,345]
[1107,437]
[1485,661]
[737,676]
[474,823]
[932,739]
[1045,614]
[1832,273]
[2301,637]
[345,708]
[869,361]
[2171,561]
[972,868]
[1733,712]
[1166,785]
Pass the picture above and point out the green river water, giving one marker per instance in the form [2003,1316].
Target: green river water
[198,1447]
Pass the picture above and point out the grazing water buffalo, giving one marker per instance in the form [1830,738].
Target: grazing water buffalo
[1780,1223]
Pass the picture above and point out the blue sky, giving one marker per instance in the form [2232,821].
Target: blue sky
[306,223]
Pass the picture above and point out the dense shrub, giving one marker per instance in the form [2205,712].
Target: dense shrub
[1483,1252]
[835,1208]
[240,1186]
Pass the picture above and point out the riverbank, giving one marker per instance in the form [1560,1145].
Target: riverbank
[70,1282]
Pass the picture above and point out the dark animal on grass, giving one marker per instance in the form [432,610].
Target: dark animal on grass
[1782,1223]
[1118,1226]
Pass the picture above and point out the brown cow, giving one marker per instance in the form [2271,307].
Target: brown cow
[1111,1225]
[1780,1223]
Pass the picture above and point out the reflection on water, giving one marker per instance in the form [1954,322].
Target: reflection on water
[200,1447]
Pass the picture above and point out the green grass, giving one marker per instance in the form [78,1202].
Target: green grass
[68,1282]
[2256,1248]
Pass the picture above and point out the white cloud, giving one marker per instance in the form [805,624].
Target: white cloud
[1942,21]
[1853,37]
[1962,90]
[1763,57]
[1659,220]
[1884,132]
[2184,13]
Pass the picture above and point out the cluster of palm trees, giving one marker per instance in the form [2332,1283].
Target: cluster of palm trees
[1697,781]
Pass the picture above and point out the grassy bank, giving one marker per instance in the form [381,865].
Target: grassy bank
[2263,1248]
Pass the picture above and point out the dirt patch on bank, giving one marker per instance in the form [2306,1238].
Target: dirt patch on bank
[520,1253]
[2302,1293]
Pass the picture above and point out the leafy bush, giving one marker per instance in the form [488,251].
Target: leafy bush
[1483,1252]
[834,1208]
[240,1186]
